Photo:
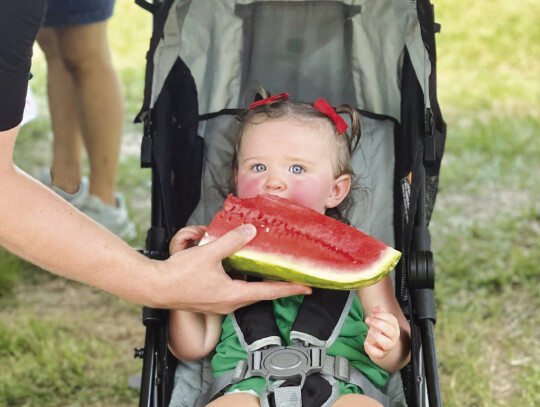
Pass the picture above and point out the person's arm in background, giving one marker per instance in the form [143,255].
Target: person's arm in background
[40,227]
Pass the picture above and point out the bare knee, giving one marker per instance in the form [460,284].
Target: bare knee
[48,42]
[84,49]
[356,400]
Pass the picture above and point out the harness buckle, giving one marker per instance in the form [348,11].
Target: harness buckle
[284,362]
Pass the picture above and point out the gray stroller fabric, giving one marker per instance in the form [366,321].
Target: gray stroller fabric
[191,379]
[344,51]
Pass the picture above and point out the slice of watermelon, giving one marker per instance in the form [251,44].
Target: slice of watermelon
[298,244]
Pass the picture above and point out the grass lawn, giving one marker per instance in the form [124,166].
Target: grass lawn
[64,344]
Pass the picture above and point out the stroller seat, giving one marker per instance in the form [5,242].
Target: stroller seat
[206,61]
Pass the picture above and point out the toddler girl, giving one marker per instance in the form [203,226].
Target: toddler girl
[300,152]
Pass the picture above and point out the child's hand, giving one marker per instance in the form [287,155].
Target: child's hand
[383,333]
[186,238]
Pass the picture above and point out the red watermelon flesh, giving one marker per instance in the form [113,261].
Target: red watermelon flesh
[298,244]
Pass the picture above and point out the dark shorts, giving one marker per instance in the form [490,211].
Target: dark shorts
[61,13]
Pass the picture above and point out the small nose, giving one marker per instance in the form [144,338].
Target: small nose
[274,183]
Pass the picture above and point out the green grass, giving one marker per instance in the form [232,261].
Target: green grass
[498,151]
[489,55]
[486,242]
[486,224]
[10,275]
[36,371]
[62,344]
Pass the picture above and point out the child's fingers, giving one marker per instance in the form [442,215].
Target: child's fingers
[186,237]
[388,327]
[373,351]
[196,230]
[180,241]
[380,340]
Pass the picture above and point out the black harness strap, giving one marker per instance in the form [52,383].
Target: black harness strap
[257,321]
[315,391]
[320,313]
[318,317]
[317,323]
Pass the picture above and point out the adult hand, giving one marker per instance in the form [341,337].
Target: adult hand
[194,279]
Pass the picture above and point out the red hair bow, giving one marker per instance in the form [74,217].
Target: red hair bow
[324,107]
[271,99]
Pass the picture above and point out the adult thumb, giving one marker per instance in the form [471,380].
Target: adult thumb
[231,241]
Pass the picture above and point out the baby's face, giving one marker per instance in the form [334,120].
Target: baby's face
[287,158]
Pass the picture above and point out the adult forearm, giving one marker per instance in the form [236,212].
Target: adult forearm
[40,227]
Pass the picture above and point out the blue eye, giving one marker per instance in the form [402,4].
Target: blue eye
[259,167]
[296,169]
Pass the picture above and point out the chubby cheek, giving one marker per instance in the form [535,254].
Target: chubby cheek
[307,193]
[248,187]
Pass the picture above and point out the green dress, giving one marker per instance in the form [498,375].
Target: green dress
[350,344]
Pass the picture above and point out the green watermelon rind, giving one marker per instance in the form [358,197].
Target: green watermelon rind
[267,265]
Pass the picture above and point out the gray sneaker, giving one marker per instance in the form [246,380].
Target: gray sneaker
[76,198]
[116,219]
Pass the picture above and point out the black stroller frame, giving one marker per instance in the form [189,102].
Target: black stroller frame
[419,144]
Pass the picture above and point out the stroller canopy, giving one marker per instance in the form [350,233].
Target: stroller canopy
[230,45]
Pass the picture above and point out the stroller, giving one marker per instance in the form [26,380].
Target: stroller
[376,55]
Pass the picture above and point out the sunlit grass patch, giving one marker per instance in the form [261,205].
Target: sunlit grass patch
[489,55]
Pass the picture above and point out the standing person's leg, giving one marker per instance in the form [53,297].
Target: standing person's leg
[80,30]
[65,170]
[85,52]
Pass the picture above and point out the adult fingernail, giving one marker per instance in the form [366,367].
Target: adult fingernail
[249,229]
